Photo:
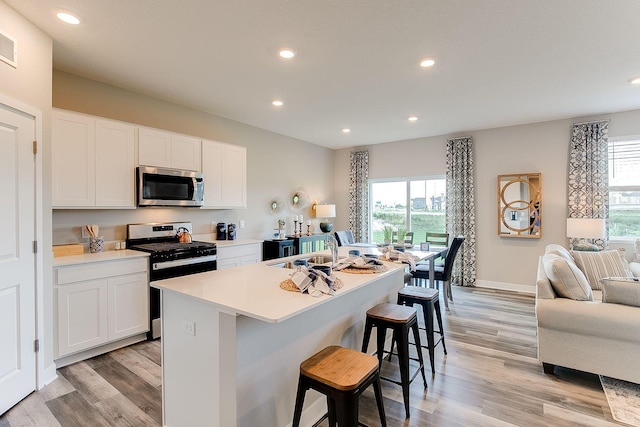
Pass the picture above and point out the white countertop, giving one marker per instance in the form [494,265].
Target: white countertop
[97,257]
[254,290]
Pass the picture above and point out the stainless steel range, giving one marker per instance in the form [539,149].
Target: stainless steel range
[169,257]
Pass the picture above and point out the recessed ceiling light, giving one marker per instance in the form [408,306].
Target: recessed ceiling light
[68,18]
[635,81]
[346,130]
[286,53]
[427,62]
[413,118]
[277,103]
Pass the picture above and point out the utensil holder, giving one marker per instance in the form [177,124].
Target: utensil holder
[96,244]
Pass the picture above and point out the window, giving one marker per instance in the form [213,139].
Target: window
[624,189]
[417,204]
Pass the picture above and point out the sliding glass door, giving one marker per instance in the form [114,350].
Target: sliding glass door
[417,204]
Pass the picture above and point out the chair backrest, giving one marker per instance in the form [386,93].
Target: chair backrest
[438,239]
[451,257]
[408,238]
[344,237]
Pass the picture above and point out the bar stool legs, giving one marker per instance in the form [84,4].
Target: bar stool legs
[428,298]
[400,319]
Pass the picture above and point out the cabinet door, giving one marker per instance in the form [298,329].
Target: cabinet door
[234,182]
[229,263]
[212,160]
[128,305]
[186,153]
[73,160]
[82,316]
[115,165]
[154,148]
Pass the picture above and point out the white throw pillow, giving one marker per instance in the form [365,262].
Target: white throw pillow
[637,244]
[566,278]
[558,250]
[598,265]
[621,290]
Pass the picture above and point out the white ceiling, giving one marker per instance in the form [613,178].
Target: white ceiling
[499,62]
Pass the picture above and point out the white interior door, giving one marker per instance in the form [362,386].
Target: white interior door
[17,260]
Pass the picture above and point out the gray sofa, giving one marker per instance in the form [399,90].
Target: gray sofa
[588,335]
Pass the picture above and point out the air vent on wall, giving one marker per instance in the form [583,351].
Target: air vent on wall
[8,50]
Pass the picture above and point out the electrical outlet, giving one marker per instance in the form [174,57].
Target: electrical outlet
[189,327]
[242,223]
[85,233]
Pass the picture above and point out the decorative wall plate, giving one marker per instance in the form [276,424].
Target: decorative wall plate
[299,199]
[276,205]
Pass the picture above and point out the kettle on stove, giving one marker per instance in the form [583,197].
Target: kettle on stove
[183,235]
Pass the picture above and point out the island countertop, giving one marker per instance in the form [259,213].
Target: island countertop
[253,290]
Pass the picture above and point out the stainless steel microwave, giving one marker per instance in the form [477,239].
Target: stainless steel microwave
[169,187]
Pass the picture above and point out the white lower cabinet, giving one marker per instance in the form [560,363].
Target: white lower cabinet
[99,303]
[235,256]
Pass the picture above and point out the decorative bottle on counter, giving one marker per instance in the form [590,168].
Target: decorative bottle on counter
[231,232]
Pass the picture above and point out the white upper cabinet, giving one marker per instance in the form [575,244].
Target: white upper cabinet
[224,167]
[115,165]
[93,162]
[73,155]
[169,150]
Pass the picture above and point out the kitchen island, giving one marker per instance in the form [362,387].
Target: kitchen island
[233,341]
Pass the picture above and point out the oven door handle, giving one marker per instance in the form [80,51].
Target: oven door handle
[183,262]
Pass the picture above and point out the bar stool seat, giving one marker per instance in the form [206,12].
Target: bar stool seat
[341,374]
[428,298]
[400,319]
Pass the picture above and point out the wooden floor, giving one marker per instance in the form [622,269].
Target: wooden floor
[489,378]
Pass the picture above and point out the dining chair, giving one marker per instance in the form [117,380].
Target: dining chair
[408,238]
[441,273]
[437,239]
[344,237]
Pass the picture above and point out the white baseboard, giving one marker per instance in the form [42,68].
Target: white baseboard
[514,287]
[96,351]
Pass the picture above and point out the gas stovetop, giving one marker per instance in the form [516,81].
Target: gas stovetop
[162,247]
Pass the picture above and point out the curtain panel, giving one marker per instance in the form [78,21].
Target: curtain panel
[588,175]
[359,196]
[461,208]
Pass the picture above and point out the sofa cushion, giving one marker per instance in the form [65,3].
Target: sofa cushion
[621,290]
[558,250]
[598,265]
[637,248]
[566,278]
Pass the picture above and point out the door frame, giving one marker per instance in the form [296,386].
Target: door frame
[42,376]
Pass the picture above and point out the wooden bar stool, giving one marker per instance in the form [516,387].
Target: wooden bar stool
[400,319]
[341,374]
[428,298]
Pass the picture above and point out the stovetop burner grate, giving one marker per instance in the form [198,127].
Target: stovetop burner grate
[172,246]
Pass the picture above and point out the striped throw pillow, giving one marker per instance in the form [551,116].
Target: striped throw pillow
[598,265]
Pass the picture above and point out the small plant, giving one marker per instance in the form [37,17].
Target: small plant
[388,231]
[402,232]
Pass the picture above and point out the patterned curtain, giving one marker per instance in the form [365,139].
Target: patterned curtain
[461,208]
[588,181]
[359,196]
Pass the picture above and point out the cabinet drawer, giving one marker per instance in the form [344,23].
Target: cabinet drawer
[239,251]
[78,273]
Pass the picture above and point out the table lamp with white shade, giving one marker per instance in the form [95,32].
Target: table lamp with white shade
[586,228]
[324,212]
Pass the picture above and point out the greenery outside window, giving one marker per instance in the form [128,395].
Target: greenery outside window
[417,204]
[624,189]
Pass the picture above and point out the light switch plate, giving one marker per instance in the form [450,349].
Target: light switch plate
[189,327]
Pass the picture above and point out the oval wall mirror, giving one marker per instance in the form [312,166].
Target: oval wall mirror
[520,205]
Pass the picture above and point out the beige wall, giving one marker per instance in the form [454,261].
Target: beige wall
[541,147]
[30,84]
[276,164]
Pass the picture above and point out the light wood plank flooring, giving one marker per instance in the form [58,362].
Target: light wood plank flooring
[489,378]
